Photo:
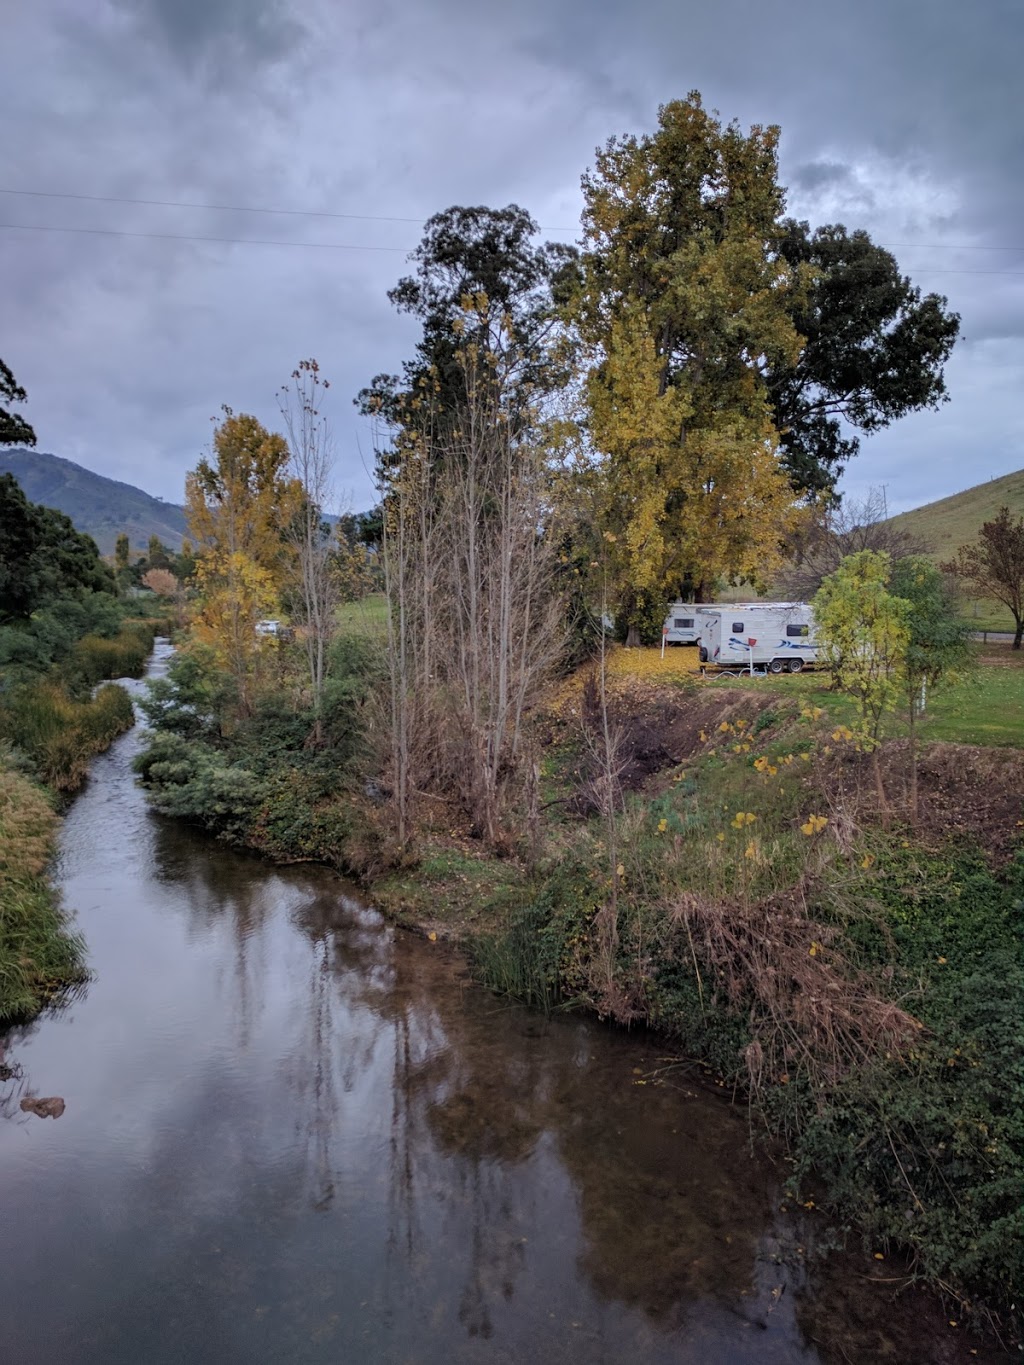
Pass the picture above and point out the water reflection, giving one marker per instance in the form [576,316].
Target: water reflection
[294,1133]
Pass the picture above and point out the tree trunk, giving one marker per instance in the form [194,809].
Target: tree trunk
[876,768]
[913,762]
[1018,634]
[632,637]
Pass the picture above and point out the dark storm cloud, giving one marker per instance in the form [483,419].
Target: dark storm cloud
[899,118]
[217,38]
[814,175]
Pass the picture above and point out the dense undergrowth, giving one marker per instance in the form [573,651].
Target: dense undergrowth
[259,782]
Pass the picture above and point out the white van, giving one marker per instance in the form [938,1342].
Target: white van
[681,626]
[778,636]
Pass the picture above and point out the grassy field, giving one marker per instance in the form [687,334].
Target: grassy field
[987,708]
[954,521]
[367,617]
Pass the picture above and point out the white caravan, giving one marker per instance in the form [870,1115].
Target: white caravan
[682,626]
[778,636]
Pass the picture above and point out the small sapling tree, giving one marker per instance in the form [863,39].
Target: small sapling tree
[864,634]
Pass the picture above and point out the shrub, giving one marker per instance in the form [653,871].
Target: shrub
[194,783]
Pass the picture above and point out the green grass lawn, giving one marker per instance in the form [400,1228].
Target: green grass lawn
[368,617]
[986,708]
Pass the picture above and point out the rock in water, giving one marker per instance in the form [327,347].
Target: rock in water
[49,1108]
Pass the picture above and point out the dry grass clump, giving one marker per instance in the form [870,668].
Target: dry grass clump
[810,1009]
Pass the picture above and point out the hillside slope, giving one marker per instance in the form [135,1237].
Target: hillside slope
[99,506]
[954,521]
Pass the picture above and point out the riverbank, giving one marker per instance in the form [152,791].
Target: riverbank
[863,984]
[53,722]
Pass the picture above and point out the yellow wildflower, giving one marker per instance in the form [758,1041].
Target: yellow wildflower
[814,824]
[743,817]
[867,861]
[662,826]
[751,849]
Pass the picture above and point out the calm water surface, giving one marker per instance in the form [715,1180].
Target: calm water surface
[294,1133]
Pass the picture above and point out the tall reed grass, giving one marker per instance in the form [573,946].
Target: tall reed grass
[95,658]
[58,734]
[39,954]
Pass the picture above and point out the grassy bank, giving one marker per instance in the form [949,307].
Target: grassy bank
[39,953]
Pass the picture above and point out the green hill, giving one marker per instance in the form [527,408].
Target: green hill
[100,507]
[945,525]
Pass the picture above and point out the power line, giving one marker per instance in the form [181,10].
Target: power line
[183,237]
[339,246]
[234,208]
[383,218]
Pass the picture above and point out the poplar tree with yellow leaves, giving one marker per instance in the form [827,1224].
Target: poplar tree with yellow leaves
[239,506]
[683,303]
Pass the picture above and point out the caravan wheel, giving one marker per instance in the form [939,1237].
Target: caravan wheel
[795,665]
[777,666]
[703,655]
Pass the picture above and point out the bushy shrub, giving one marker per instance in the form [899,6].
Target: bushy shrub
[190,699]
[195,783]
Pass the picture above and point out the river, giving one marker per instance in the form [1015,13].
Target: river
[295,1133]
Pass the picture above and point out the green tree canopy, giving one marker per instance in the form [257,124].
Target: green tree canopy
[14,430]
[42,557]
[489,256]
[874,350]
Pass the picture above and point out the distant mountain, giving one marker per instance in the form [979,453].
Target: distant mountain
[945,525]
[100,507]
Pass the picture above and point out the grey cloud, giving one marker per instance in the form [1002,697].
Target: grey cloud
[894,118]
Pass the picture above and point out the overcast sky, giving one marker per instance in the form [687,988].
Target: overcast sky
[901,116]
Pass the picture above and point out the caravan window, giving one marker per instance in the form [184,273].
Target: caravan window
[798,632]
[684,623]
[737,627]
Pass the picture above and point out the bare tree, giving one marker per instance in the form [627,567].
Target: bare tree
[474,624]
[311,462]
[842,529]
[994,566]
